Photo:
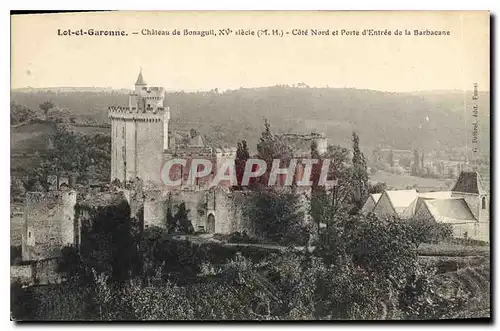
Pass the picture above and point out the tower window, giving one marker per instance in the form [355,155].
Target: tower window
[483,203]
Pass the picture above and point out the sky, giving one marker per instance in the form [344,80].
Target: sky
[42,58]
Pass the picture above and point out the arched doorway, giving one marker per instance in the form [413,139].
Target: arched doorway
[210,223]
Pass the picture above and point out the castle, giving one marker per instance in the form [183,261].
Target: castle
[140,145]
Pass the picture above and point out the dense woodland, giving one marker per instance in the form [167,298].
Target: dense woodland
[388,120]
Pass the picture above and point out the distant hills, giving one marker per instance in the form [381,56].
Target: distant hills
[425,120]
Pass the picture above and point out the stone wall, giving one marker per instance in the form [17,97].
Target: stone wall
[49,224]
[45,272]
[41,272]
[22,274]
[224,205]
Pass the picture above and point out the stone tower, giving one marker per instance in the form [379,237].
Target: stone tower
[139,134]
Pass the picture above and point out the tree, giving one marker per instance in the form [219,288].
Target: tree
[242,155]
[46,106]
[277,215]
[359,175]
[415,169]
[89,156]
[425,230]
[379,187]
[23,302]
[171,222]
[183,223]
[20,114]
[107,240]
[390,158]
[270,147]
[193,133]
[17,189]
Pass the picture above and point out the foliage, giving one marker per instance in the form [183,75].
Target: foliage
[426,230]
[388,119]
[15,254]
[453,248]
[69,263]
[17,190]
[390,158]
[379,187]
[46,106]
[359,177]
[422,299]
[180,221]
[271,147]
[237,237]
[242,155]
[107,244]
[20,114]
[23,302]
[87,152]
[277,216]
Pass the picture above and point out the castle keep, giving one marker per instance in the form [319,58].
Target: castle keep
[139,134]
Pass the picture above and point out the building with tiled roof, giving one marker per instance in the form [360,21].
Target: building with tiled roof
[465,207]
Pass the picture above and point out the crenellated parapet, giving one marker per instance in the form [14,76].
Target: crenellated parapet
[125,112]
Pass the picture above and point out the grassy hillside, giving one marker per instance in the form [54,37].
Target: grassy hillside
[31,137]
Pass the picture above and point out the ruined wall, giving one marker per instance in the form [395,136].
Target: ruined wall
[22,274]
[225,217]
[154,209]
[301,143]
[236,213]
[156,204]
[37,273]
[49,224]
[225,206]
[69,230]
[45,272]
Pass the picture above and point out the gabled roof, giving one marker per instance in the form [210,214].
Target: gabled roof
[375,196]
[402,201]
[140,80]
[469,182]
[402,198]
[450,210]
[435,195]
